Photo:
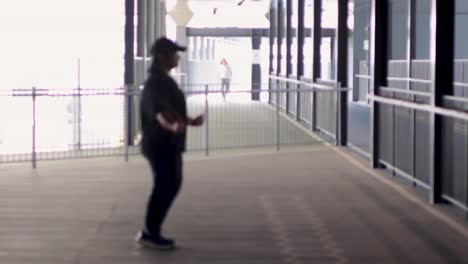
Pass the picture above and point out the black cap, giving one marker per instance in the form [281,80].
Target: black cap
[165,46]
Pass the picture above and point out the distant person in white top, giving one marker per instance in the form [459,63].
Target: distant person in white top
[225,75]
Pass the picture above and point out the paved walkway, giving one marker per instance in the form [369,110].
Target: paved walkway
[301,206]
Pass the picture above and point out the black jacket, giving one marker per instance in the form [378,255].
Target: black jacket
[161,94]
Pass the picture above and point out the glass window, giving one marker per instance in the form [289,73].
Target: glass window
[398,43]
[422,30]
[328,43]
[421,41]
[398,29]
[461,49]
[361,49]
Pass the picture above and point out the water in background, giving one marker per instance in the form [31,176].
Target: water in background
[79,46]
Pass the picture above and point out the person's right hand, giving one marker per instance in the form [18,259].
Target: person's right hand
[197,121]
[174,126]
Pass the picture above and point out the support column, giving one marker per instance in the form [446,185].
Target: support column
[141,38]
[279,39]
[332,59]
[213,49]
[157,19]
[300,38]
[181,14]
[300,50]
[129,65]
[317,39]
[288,48]
[208,50]
[316,69]
[195,48]
[201,50]
[342,70]
[256,60]
[378,64]
[141,51]
[273,34]
[150,29]
[183,40]
[442,56]
[411,40]
[410,56]
[160,18]
[289,33]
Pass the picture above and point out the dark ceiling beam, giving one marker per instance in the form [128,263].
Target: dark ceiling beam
[247,32]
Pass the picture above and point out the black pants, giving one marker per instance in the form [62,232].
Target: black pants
[167,175]
[225,85]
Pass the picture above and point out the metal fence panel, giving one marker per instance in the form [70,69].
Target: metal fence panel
[283,98]
[305,114]
[273,88]
[422,142]
[62,128]
[386,131]
[94,122]
[455,149]
[403,140]
[292,99]
[398,69]
[420,70]
[327,109]
[16,133]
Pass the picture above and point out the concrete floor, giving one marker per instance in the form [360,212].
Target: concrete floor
[299,206]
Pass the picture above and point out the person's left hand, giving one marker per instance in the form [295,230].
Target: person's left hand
[197,121]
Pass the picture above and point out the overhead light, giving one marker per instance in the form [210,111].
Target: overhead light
[241,2]
[181,13]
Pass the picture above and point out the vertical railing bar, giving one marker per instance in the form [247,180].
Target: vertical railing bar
[126,121]
[33,154]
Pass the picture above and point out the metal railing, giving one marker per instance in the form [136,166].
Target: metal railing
[420,77]
[317,103]
[404,126]
[52,124]
[404,139]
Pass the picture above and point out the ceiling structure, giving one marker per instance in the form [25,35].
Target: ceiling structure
[226,13]
[243,13]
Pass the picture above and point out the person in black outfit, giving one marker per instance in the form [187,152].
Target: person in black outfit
[163,120]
